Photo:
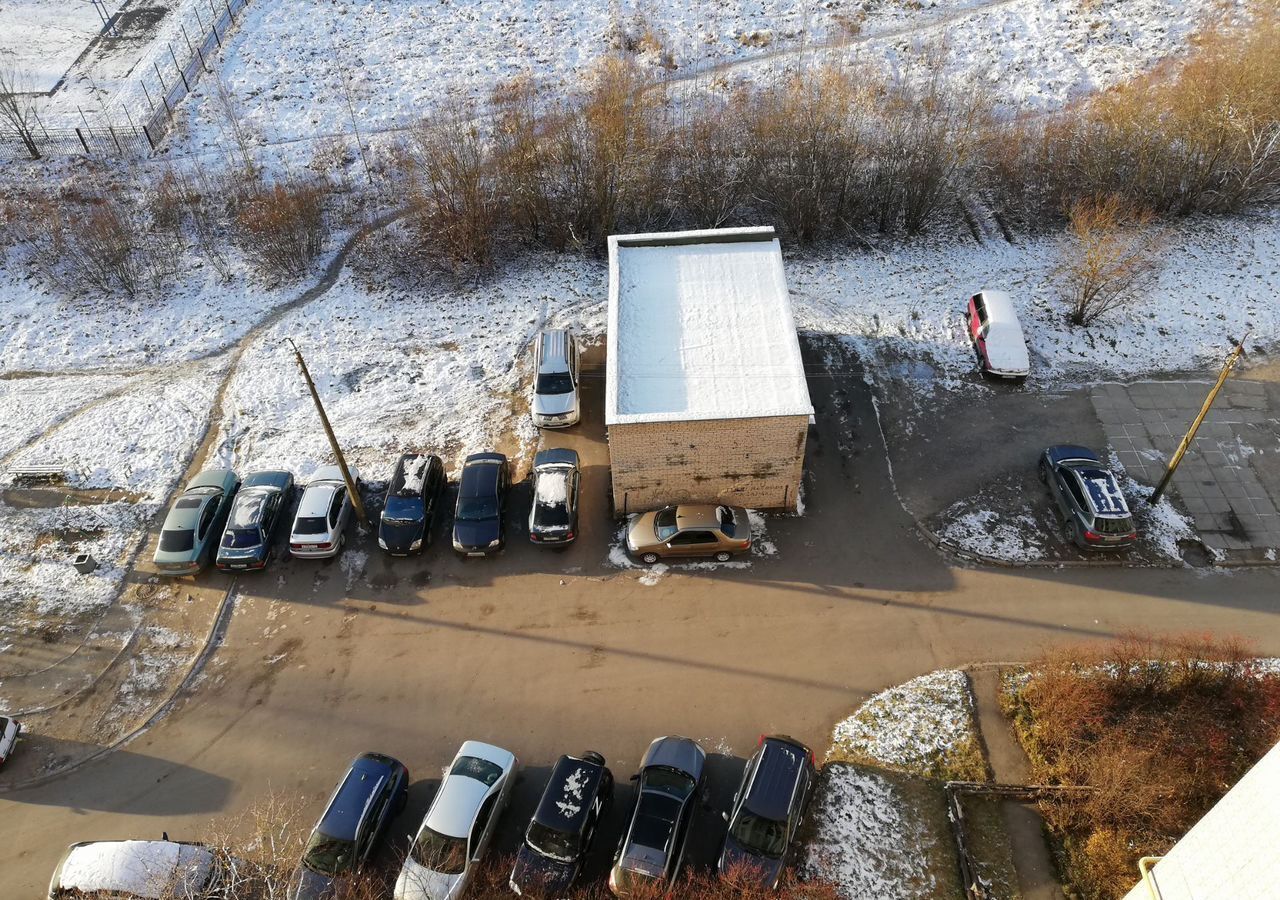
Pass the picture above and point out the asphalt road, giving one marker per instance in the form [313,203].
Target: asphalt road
[546,652]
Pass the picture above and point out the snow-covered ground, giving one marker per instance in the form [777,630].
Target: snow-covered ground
[42,38]
[923,726]
[1219,278]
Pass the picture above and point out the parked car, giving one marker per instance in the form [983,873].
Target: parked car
[553,519]
[559,838]
[370,795]
[459,824]
[997,336]
[482,500]
[689,530]
[323,513]
[255,514]
[669,786]
[409,512]
[194,523]
[767,810]
[140,870]
[1094,510]
[10,730]
[555,388]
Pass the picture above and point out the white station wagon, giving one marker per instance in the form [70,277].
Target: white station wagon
[459,826]
[997,336]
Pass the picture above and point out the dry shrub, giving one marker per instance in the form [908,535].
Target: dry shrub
[1110,257]
[281,227]
[1158,728]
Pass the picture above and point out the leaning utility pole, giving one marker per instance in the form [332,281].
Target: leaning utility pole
[1232,358]
[352,488]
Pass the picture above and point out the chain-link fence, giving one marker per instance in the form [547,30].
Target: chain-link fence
[163,87]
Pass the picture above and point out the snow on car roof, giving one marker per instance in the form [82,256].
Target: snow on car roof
[148,869]
[1103,491]
[701,327]
[415,469]
[553,487]
[247,511]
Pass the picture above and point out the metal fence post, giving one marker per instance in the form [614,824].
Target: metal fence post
[183,26]
[112,132]
[82,142]
[173,56]
[147,134]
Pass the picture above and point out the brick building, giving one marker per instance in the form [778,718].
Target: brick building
[706,399]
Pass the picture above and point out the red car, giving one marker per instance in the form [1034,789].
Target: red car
[997,336]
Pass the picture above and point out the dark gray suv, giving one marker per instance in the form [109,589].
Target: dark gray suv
[767,811]
[1096,514]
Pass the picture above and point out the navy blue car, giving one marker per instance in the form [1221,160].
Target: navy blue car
[768,808]
[482,501]
[259,507]
[411,506]
[564,825]
[373,793]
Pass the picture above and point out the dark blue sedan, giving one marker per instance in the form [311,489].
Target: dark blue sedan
[251,526]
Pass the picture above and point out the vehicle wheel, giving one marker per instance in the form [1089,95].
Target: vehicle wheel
[649,559]
[723,556]
[1043,471]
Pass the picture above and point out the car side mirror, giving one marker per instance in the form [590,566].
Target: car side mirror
[635,777]
[725,815]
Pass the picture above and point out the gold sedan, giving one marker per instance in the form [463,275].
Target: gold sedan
[689,530]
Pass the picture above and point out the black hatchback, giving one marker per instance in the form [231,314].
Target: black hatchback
[768,808]
[559,837]
[409,512]
[482,500]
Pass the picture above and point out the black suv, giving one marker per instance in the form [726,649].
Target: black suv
[482,499]
[553,519]
[410,508]
[373,793]
[767,811]
[563,827]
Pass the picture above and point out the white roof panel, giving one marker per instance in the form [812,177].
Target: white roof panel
[701,327]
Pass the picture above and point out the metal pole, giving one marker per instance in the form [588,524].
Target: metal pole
[352,490]
[1232,359]
[151,103]
[181,74]
[190,49]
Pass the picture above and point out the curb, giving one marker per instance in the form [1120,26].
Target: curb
[93,682]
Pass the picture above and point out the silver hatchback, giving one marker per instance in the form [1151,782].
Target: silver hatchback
[323,514]
[555,402]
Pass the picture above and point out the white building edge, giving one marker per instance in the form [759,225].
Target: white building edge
[1231,853]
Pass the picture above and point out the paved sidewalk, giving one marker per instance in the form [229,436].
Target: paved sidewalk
[1229,480]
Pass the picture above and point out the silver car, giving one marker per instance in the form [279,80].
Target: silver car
[326,508]
[555,402]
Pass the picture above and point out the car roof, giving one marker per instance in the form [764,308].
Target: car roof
[480,474]
[398,477]
[246,512]
[454,807]
[276,479]
[347,809]
[1103,490]
[330,473]
[699,515]
[566,801]
[554,355]
[184,515]
[774,781]
[136,868]
[555,456]
[216,478]
[999,306]
[680,753]
[317,497]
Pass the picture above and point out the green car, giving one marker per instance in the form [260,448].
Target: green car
[194,524]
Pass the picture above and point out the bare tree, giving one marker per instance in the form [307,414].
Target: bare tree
[18,104]
[1110,257]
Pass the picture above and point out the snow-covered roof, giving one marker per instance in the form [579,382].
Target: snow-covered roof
[140,868]
[701,327]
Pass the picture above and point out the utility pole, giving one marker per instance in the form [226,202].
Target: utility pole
[1232,358]
[352,488]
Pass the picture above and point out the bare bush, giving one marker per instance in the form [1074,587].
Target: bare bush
[281,227]
[1110,257]
[101,247]
[1158,729]
[18,105]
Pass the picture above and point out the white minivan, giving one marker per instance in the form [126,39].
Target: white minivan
[555,401]
[997,336]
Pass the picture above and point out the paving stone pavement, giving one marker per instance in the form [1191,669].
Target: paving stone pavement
[1229,480]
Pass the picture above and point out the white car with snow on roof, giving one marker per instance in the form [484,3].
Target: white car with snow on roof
[553,518]
[140,870]
[459,825]
[997,336]
[1095,513]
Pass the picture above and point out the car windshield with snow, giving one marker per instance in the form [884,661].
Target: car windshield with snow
[563,828]
[254,520]
[409,510]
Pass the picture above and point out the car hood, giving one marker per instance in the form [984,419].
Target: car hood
[640,532]
[675,752]
[419,883]
[309,885]
[399,537]
[735,858]
[554,404]
[538,875]
[475,535]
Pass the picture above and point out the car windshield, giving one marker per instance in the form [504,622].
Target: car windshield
[758,835]
[310,525]
[480,769]
[177,540]
[402,512]
[439,852]
[241,538]
[655,821]
[555,383]
[677,784]
[328,855]
[552,843]
[477,509]
[1110,525]
[664,523]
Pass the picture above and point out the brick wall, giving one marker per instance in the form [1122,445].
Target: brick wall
[755,463]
